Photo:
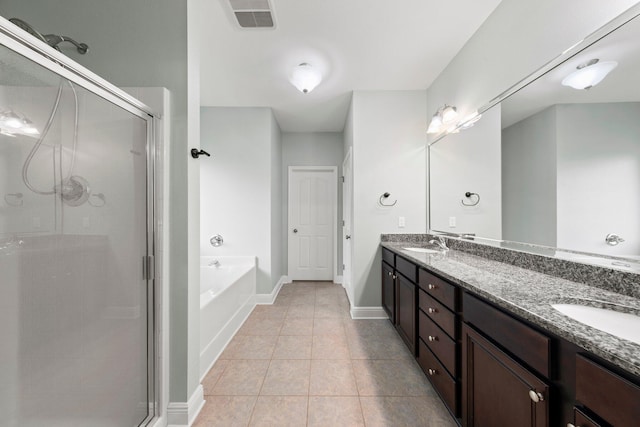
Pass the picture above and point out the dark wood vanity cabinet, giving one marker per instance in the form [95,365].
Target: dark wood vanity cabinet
[406,311]
[389,291]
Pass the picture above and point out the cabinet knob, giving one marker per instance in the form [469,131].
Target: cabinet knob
[390,273]
[535,396]
[571,425]
[432,310]
[430,286]
[432,371]
[432,338]
[394,277]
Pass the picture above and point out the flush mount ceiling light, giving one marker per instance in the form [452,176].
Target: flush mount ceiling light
[589,74]
[445,116]
[305,78]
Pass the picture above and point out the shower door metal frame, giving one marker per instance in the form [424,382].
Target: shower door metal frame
[44,55]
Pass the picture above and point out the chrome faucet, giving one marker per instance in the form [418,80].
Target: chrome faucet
[440,242]
[215,263]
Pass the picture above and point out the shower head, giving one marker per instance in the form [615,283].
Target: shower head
[52,40]
[28,28]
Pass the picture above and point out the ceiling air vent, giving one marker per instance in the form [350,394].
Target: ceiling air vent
[252,13]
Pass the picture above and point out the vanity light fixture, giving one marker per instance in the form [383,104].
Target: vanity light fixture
[589,74]
[305,78]
[470,120]
[445,116]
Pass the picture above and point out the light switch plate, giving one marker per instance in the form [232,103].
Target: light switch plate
[452,221]
[401,222]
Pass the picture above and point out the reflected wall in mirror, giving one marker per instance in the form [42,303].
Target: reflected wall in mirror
[556,166]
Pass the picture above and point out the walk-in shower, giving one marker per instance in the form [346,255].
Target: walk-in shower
[76,241]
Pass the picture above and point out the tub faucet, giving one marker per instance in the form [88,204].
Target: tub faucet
[440,242]
[215,263]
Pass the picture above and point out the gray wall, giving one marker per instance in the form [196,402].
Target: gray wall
[310,149]
[137,43]
[278,246]
[529,180]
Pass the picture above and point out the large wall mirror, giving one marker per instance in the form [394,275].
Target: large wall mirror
[554,163]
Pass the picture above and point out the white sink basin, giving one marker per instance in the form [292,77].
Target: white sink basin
[622,325]
[423,250]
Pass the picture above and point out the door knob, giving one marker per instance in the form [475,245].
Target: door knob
[295,230]
[347,237]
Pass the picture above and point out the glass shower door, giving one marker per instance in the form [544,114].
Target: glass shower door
[76,337]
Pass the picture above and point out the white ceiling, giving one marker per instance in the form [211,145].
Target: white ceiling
[357,44]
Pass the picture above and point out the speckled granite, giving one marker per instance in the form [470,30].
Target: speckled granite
[626,283]
[529,294]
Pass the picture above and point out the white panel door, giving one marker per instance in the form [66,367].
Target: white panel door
[347,228]
[312,211]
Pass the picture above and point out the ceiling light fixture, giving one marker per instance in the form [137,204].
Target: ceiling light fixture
[589,74]
[305,78]
[442,118]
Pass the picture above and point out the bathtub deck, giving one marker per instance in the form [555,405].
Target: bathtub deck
[304,362]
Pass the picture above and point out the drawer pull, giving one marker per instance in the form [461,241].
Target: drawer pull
[535,396]
[432,338]
[432,310]
[432,287]
[432,372]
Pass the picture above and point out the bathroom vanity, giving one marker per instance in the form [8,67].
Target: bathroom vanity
[489,339]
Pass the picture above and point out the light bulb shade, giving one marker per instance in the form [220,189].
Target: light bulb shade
[435,125]
[449,114]
[305,78]
[589,76]
[9,119]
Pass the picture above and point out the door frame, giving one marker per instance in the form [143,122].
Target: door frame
[334,210]
[347,206]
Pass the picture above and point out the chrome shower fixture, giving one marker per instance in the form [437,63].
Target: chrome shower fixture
[52,40]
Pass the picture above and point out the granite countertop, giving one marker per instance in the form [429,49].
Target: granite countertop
[529,294]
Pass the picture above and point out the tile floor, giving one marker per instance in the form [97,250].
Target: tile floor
[304,362]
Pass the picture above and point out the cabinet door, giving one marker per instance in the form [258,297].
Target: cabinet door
[406,311]
[388,291]
[497,391]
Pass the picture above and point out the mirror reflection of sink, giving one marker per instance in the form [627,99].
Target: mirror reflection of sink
[423,250]
[622,325]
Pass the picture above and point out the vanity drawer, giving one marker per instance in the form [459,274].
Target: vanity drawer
[611,397]
[438,288]
[438,313]
[439,377]
[408,269]
[521,340]
[438,342]
[580,419]
[388,257]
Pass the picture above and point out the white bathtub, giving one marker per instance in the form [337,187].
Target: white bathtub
[227,297]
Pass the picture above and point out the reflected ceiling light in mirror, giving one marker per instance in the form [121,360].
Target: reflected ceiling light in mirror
[589,74]
[305,78]
[470,120]
[445,116]
[12,123]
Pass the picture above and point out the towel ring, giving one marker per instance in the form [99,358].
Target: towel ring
[386,196]
[469,195]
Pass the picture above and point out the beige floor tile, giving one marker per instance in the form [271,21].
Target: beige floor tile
[297,326]
[334,411]
[302,298]
[328,326]
[280,411]
[226,411]
[241,378]
[282,301]
[375,347]
[300,310]
[257,325]
[250,347]
[364,328]
[213,376]
[332,378]
[328,310]
[287,378]
[405,412]
[329,347]
[270,311]
[293,347]
[390,378]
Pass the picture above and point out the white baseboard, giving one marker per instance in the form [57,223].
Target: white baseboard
[214,349]
[368,313]
[338,280]
[181,414]
[270,298]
